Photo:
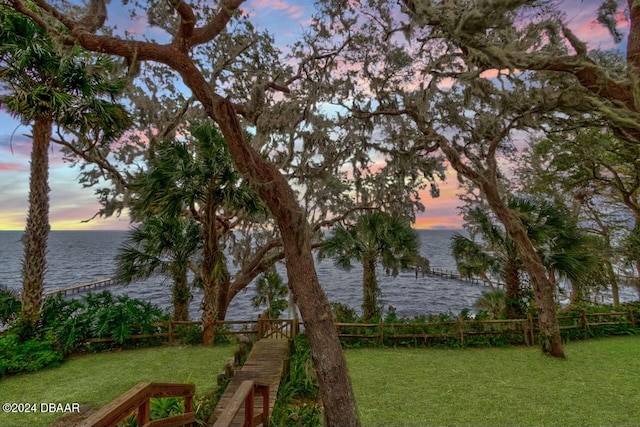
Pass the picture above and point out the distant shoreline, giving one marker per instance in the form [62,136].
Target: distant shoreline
[124,231]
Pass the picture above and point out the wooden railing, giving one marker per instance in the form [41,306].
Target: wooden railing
[277,328]
[138,400]
[245,395]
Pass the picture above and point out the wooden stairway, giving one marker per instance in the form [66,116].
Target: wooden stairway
[264,366]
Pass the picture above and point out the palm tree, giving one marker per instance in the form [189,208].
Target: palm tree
[45,87]
[493,302]
[564,248]
[376,237]
[472,260]
[496,254]
[272,292]
[197,178]
[162,245]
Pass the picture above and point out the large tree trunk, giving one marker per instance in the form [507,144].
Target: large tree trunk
[543,289]
[214,271]
[513,289]
[275,191]
[181,295]
[486,180]
[37,226]
[223,299]
[637,281]
[370,289]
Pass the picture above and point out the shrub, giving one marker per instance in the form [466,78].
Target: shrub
[189,334]
[9,305]
[342,313]
[100,315]
[27,356]
[297,401]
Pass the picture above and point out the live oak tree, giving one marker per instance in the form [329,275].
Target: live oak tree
[596,174]
[191,29]
[332,180]
[420,86]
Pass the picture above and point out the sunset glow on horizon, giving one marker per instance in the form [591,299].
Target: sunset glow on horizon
[71,204]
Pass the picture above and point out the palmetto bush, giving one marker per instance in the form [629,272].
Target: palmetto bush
[71,323]
[297,402]
[9,305]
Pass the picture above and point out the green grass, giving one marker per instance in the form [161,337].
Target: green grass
[598,385]
[99,378]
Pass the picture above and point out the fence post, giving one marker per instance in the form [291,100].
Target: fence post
[170,330]
[260,327]
[381,331]
[630,316]
[248,408]
[461,327]
[265,406]
[532,338]
[583,318]
[295,328]
[188,404]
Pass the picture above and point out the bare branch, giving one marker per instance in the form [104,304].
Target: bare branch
[579,46]
[187,22]
[216,25]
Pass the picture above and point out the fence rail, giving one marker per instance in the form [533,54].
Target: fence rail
[138,400]
[459,328]
[462,328]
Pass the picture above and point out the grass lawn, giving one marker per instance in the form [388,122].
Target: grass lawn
[98,378]
[598,385]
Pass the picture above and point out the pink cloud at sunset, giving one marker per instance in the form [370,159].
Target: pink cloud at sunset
[291,11]
[13,167]
[581,18]
[71,204]
[441,212]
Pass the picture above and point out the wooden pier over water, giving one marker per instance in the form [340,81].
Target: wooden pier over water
[82,287]
[450,274]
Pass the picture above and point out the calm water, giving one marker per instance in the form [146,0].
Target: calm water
[82,256]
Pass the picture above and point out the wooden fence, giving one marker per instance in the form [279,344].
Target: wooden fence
[462,329]
[459,329]
[277,328]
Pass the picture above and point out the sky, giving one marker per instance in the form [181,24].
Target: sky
[71,205]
